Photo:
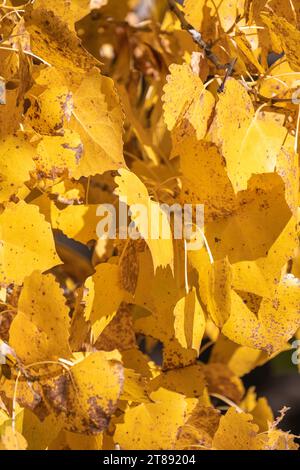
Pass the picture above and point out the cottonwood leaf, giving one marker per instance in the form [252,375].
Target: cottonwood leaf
[69,11]
[53,42]
[107,297]
[161,248]
[240,359]
[189,381]
[40,330]
[287,35]
[51,110]
[11,439]
[249,231]
[27,243]
[157,422]
[16,163]
[189,324]
[249,144]
[201,12]
[57,156]
[204,178]
[98,119]
[76,221]
[191,101]
[40,433]
[236,431]
[274,324]
[162,295]
[198,430]
[87,395]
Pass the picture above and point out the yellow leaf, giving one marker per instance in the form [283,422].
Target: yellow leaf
[218,296]
[240,359]
[259,276]
[52,106]
[221,380]
[108,295]
[12,440]
[132,191]
[27,243]
[76,221]
[236,431]
[134,387]
[119,333]
[87,395]
[186,98]
[58,156]
[249,232]
[189,381]
[189,321]
[281,81]
[69,11]
[262,414]
[198,12]
[39,434]
[40,330]
[157,423]
[287,35]
[249,144]
[204,177]
[16,163]
[199,429]
[160,298]
[98,119]
[257,330]
[53,42]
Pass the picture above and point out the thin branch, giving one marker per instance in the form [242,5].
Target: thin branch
[271,101]
[197,38]
[229,72]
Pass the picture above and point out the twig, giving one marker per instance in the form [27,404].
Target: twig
[229,72]
[27,53]
[271,101]
[197,38]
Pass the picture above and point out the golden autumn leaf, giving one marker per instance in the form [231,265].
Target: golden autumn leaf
[190,381]
[189,321]
[287,36]
[107,297]
[198,430]
[160,244]
[14,150]
[12,440]
[168,409]
[98,119]
[51,107]
[70,12]
[196,12]
[125,125]
[27,243]
[192,102]
[42,321]
[40,433]
[258,331]
[56,156]
[76,221]
[54,43]
[86,396]
[236,431]
[248,143]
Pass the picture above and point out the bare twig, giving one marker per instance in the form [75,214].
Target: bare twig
[271,101]
[198,39]
[229,72]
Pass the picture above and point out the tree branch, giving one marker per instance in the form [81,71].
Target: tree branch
[197,38]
